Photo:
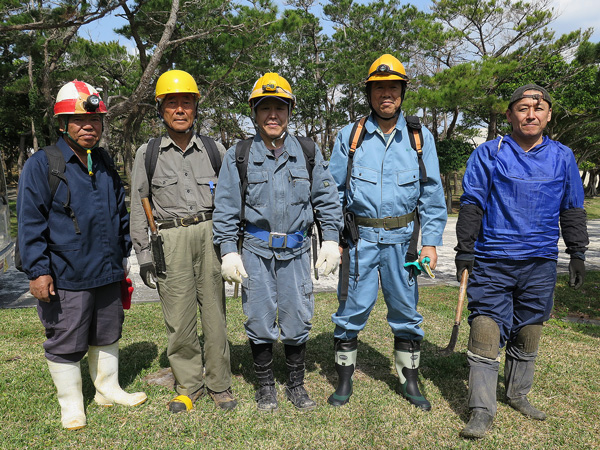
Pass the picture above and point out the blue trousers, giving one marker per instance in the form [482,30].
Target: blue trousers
[386,262]
[277,298]
[514,293]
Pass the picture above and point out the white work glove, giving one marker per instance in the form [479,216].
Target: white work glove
[232,268]
[330,255]
[126,266]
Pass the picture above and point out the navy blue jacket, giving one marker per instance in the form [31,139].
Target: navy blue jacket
[47,240]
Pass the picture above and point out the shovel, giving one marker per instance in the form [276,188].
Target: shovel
[459,309]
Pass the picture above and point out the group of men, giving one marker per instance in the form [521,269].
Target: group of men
[246,215]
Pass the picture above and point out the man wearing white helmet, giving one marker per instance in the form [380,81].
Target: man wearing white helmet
[281,187]
[179,180]
[74,243]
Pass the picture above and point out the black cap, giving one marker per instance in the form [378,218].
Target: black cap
[520,93]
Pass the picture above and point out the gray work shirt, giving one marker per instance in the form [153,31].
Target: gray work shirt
[180,187]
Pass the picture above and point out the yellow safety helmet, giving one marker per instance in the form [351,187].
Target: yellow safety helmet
[78,97]
[175,82]
[386,67]
[272,85]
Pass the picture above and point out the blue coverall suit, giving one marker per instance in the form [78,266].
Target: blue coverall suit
[385,182]
[278,200]
[522,195]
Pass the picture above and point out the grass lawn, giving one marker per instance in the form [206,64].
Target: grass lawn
[567,387]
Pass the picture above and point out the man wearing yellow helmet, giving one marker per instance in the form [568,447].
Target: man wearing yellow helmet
[381,184]
[176,174]
[74,250]
[276,207]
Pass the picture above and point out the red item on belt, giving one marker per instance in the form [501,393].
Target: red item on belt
[126,292]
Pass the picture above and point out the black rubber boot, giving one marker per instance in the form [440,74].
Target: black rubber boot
[266,395]
[483,379]
[294,389]
[345,364]
[479,423]
[518,376]
[407,354]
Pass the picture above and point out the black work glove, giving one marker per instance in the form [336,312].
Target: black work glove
[148,275]
[576,273]
[463,261]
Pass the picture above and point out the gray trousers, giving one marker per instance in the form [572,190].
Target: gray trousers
[193,280]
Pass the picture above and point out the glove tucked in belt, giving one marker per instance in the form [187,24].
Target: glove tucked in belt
[387,223]
[185,221]
[277,240]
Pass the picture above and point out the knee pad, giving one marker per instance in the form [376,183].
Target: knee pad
[484,338]
[527,339]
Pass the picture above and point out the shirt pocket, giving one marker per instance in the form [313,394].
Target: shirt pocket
[407,192]
[363,178]
[258,194]
[165,191]
[300,189]
[203,192]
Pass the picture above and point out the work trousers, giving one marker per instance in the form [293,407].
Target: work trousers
[193,280]
[514,293]
[386,262]
[277,297]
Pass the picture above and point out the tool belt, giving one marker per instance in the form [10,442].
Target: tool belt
[184,221]
[277,240]
[387,223]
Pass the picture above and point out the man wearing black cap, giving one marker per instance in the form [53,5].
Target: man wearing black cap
[517,188]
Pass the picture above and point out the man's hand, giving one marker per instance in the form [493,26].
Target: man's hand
[576,273]
[148,275]
[330,256]
[232,268]
[429,251]
[42,288]
[463,261]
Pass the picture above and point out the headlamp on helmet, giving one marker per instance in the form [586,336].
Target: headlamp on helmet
[78,97]
[386,67]
[272,85]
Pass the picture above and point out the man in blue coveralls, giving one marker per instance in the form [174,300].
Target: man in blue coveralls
[277,295]
[517,188]
[385,188]
[74,245]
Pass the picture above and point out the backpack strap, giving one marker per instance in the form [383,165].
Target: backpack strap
[150,162]
[213,153]
[56,174]
[416,142]
[309,150]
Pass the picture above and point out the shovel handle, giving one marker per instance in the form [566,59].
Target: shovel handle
[461,296]
[149,216]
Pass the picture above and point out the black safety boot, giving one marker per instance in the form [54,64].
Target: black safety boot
[266,395]
[345,364]
[294,389]
[479,423]
[407,355]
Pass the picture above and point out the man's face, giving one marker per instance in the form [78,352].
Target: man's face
[179,111]
[529,117]
[85,129]
[272,117]
[386,97]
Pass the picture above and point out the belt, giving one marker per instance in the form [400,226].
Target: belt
[277,240]
[387,223]
[184,221]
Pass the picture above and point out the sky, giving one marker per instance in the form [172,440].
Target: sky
[573,14]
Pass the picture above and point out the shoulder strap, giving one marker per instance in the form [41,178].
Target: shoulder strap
[309,150]
[150,161]
[213,153]
[56,174]
[416,141]
[357,136]
[56,167]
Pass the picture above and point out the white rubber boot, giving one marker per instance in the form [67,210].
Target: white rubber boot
[104,370]
[67,379]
